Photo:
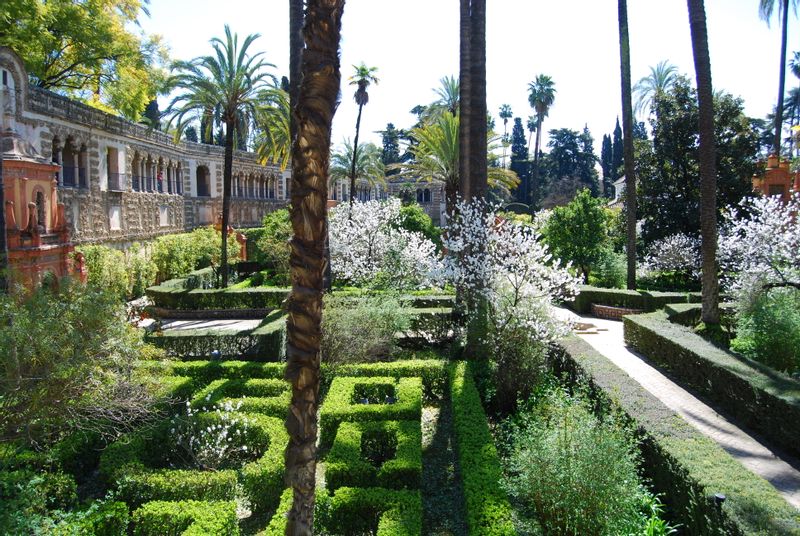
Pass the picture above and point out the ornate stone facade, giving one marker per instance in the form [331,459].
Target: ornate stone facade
[121,181]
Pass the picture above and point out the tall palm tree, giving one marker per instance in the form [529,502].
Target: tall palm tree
[766,8]
[273,139]
[794,98]
[363,77]
[707,158]
[531,126]
[660,80]
[448,93]
[436,159]
[505,115]
[231,80]
[316,105]
[368,168]
[627,143]
[295,53]
[541,95]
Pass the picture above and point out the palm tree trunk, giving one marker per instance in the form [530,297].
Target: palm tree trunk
[707,157]
[627,143]
[782,80]
[533,194]
[465,99]
[295,56]
[353,163]
[317,100]
[227,175]
[477,106]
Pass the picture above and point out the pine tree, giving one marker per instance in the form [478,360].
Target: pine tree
[587,160]
[190,134]
[639,131]
[519,159]
[605,164]
[616,153]
[390,152]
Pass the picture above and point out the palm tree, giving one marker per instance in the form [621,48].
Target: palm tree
[436,154]
[448,93]
[794,98]
[363,77]
[707,158]
[505,115]
[765,9]
[273,140]
[231,80]
[531,126]
[660,80]
[295,53]
[627,143]
[316,104]
[369,167]
[541,95]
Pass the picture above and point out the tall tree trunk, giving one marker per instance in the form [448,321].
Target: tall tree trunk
[627,143]
[533,194]
[353,163]
[782,80]
[227,175]
[477,105]
[317,101]
[708,166]
[295,57]
[464,98]
[3,244]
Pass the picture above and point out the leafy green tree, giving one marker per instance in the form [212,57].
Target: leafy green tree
[660,79]
[668,167]
[541,95]
[232,80]
[363,77]
[369,166]
[605,165]
[578,232]
[519,159]
[571,155]
[414,218]
[87,51]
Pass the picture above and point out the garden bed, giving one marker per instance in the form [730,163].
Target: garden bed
[686,467]
[755,395]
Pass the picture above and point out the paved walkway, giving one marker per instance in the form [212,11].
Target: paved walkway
[607,338]
[218,324]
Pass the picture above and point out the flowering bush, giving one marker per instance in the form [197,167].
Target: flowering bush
[672,263]
[212,443]
[367,248]
[509,272]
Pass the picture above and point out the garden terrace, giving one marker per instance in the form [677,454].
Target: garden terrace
[688,468]
[755,395]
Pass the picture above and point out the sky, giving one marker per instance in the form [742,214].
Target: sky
[414,43]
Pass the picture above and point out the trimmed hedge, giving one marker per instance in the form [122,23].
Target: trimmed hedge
[204,372]
[266,396]
[685,466]
[341,404]
[629,299]
[277,525]
[487,506]
[266,342]
[134,462]
[187,518]
[354,511]
[433,373]
[347,467]
[688,314]
[755,395]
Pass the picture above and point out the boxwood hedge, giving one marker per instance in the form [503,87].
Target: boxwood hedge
[346,465]
[355,510]
[757,396]
[487,506]
[187,518]
[629,299]
[256,395]
[684,466]
[342,403]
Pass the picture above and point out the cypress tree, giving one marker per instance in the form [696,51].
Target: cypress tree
[519,159]
[616,153]
[605,164]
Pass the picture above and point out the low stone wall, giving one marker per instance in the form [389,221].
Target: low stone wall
[612,313]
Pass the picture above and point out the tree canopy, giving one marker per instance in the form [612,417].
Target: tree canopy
[87,51]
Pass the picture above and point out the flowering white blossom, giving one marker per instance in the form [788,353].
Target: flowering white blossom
[759,246]
[510,267]
[366,243]
[210,446]
[676,253]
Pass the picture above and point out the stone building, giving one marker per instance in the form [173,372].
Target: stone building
[122,182]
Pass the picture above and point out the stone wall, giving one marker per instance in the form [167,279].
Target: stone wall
[122,182]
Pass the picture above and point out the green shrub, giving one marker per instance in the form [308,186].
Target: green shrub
[375,511]
[105,269]
[141,271]
[27,498]
[266,396]
[487,507]
[192,292]
[413,218]
[361,329]
[272,248]
[341,404]
[187,518]
[769,331]
[610,270]
[386,454]
[102,518]
[576,473]
[176,255]
[684,465]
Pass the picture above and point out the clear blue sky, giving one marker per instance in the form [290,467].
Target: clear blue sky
[414,43]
